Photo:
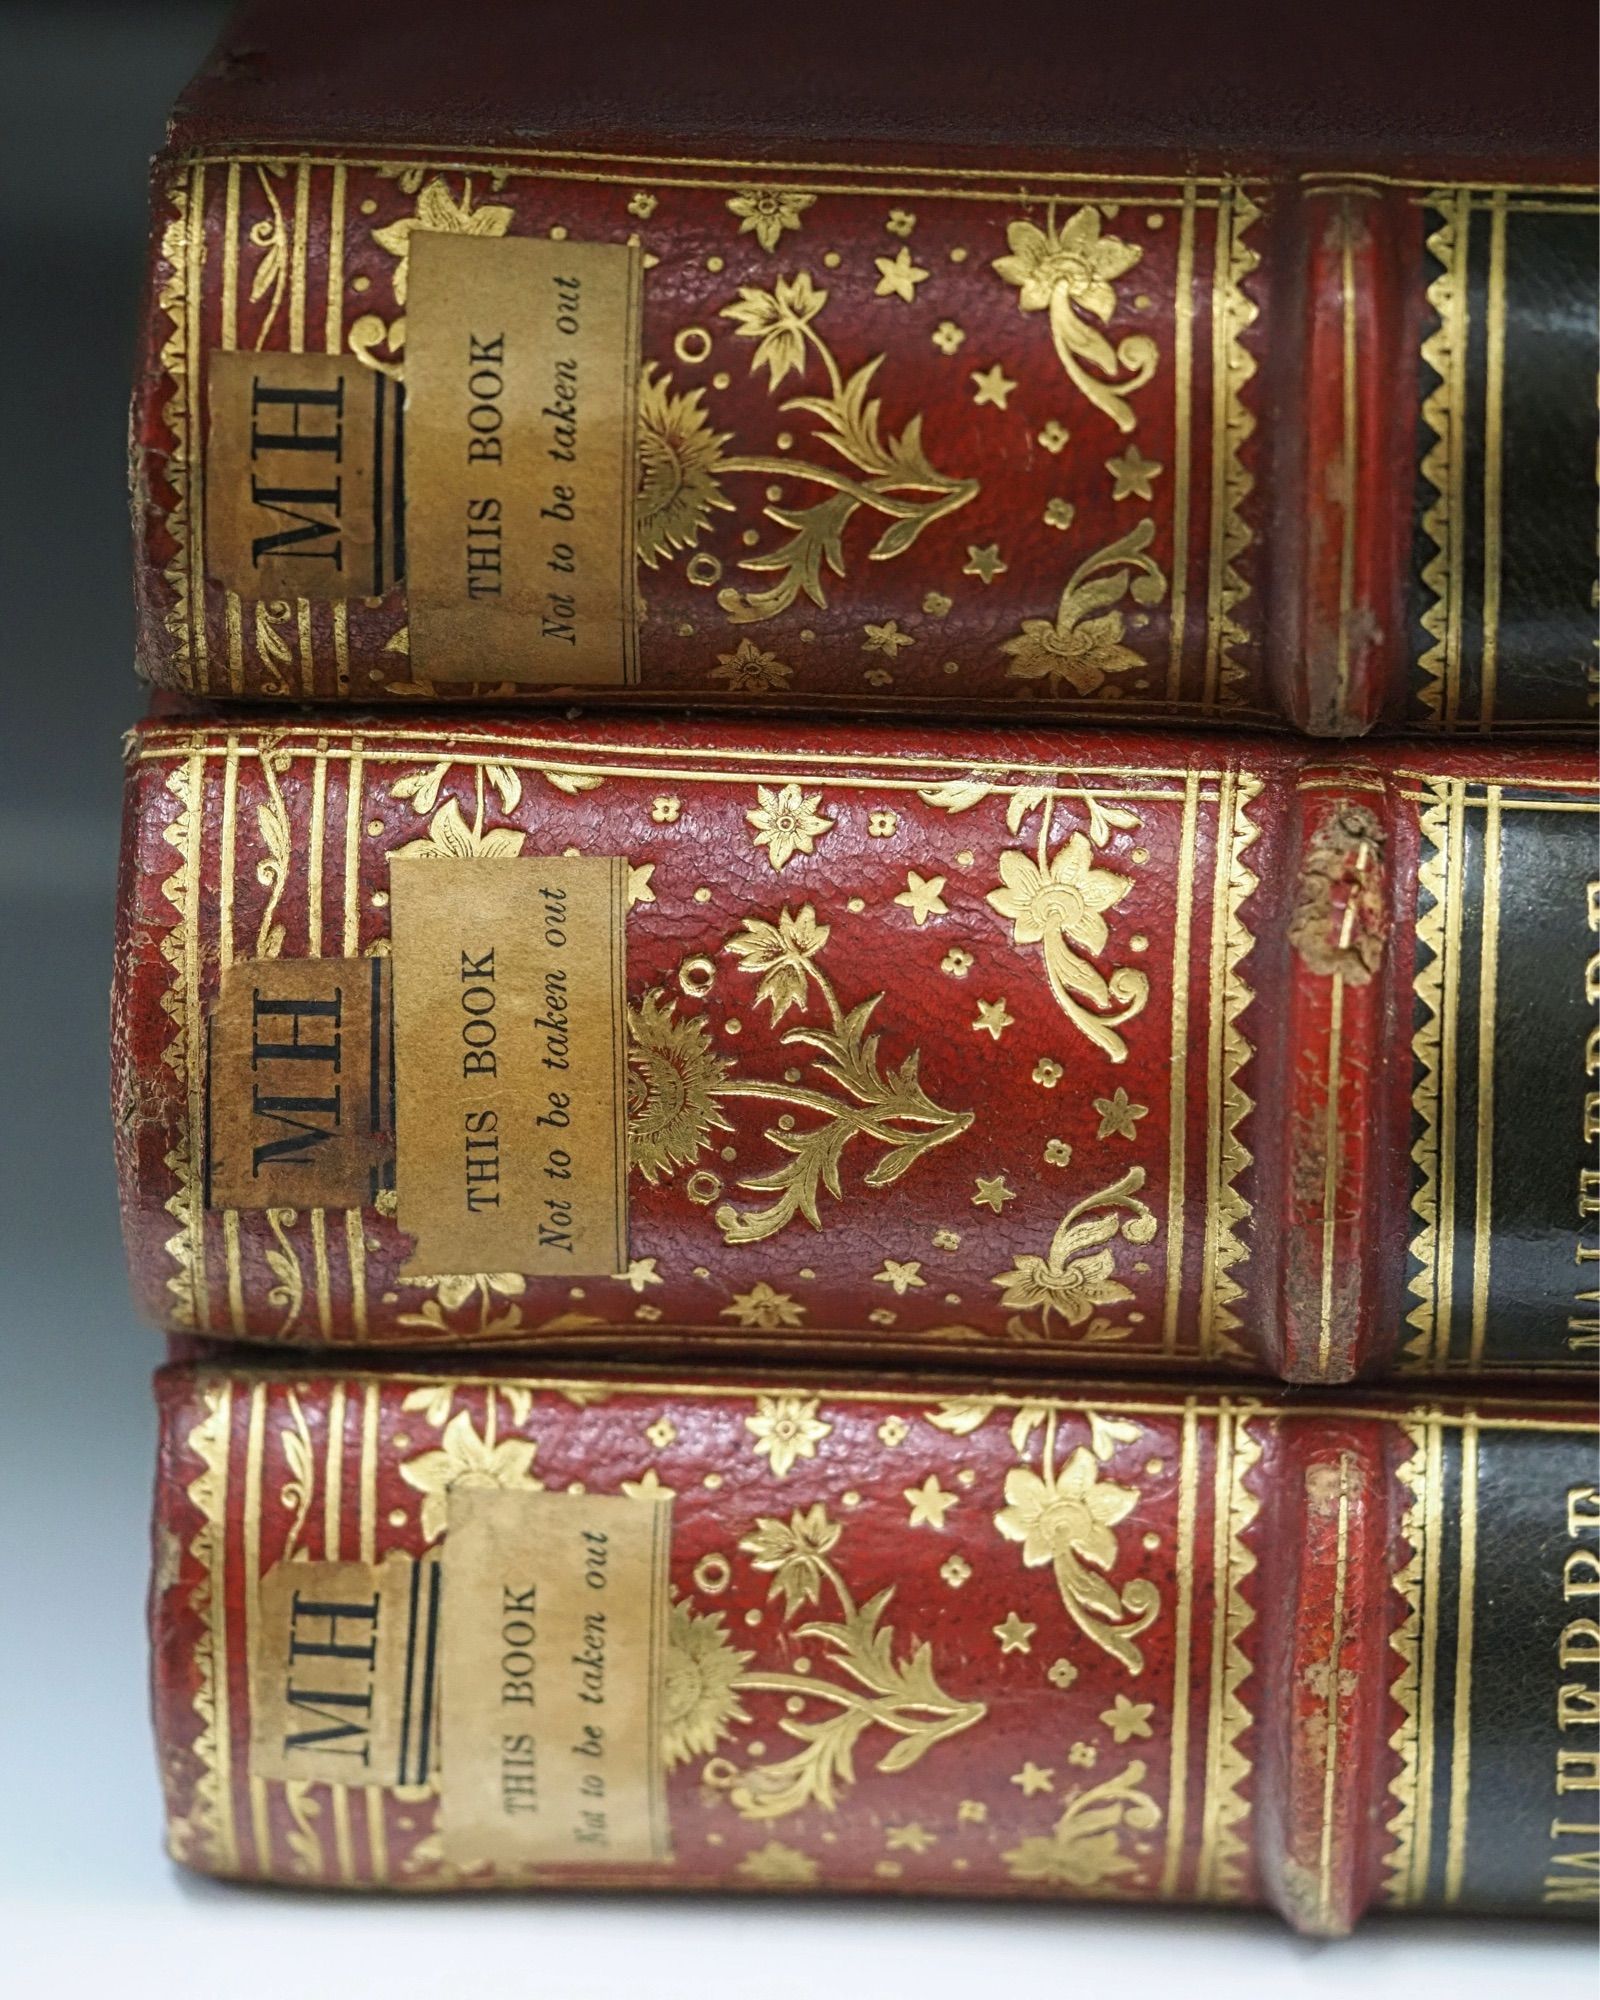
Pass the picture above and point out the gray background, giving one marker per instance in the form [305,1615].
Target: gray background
[87,1902]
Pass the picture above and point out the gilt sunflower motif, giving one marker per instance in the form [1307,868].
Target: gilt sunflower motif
[679,456]
[1073,1511]
[700,1700]
[673,1079]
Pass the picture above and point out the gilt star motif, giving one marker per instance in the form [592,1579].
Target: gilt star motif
[984,562]
[898,277]
[992,386]
[639,889]
[922,898]
[904,1277]
[993,1020]
[641,1271]
[1132,473]
[1015,1634]
[929,1503]
[1034,1778]
[992,1192]
[913,1839]
[1119,1115]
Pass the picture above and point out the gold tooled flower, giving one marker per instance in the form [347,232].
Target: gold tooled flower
[700,1701]
[1069,898]
[1073,1288]
[1081,652]
[679,455]
[1077,259]
[438,211]
[794,1550]
[1084,1862]
[764,1310]
[465,1460]
[786,822]
[767,212]
[750,670]
[777,322]
[786,1428]
[673,1078]
[1072,1511]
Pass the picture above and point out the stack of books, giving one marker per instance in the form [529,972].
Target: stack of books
[984,737]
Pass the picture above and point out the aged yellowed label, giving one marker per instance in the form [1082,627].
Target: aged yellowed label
[304,491]
[521,363]
[520,1670]
[553,1672]
[298,1083]
[509,1024]
[344,1672]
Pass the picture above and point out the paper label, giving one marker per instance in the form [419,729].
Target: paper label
[304,476]
[344,1672]
[521,359]
[299,1105]
[509,1027]
[553,1672]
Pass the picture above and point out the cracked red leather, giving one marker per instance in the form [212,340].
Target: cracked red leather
[1273,405]
[957,1044]
[911,1636]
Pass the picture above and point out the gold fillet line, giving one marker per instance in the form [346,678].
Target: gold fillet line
[1330,1737]
[1493,450]
[1182,433]
[1461,1707]
[314,850]
[1177,1102]
[209,1826]
[1219,443]
[333,1478]
[1352,440]
[230,260]
[195,457]
[1133,1397]
[1427,1679]
[356,1256]
[260,1818]
[230,826]
[333,315]
[341,646]
[1488,982]
[319,1254]
[1214,1043]
[343,1851]
[354,808]
[1449,1031]
[303,634]
[368,1518]
[194,1029]
[1222,1432]
[235,1264]
[298,246]
[1330,1155]
[1219,1874]
[1182,1643]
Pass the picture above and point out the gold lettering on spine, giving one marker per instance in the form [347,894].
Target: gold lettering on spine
[1573,1872]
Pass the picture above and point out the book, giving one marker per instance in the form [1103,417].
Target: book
[1272,401]
[968,1043]
[447,1630]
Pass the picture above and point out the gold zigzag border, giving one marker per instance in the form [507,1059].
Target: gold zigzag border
[1221,1871]
[172,298]
[1444,351]
[204,1835]
[1228,1207]
[180,889]
[1428,990]
[1234,367]
[1399,1885]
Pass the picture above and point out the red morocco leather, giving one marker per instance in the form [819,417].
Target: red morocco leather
[962,1044]
[933,1637]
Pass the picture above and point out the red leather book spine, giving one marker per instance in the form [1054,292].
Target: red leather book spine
[1103,440]
[931,1638]
[1142,1050]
